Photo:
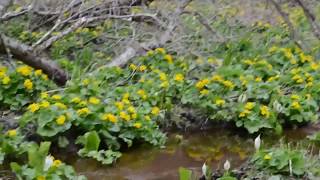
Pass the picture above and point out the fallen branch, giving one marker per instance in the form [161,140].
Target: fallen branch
[26,54]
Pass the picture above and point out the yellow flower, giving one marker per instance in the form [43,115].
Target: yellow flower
[41,178]
[272,78]
[119,105]
[60,105]
[267,157]
[94,100]
[134,116]
[249,62]
[38,72]
[296,105]
[179,77]
[161,50]
[125,116]
[56,163]
[6,80]
[299,81]
[56,97]
[220,102]
[126,95]
[288,53]
[244,113]
[305,58]
[109,117]
[131,109]
[150,53]
[133,67]
[264,110]
[168,58]
[45,77]
[147,118]
[137,125]
[295,97]
[28,84]
[61,120]
[24,70]
[142,94]
[126,101]
[163,76]
[202,83]
[82,103]
[44,104]
[314,66]
[217,78]
[44,95]
[12,133]
[142,68]
[155,111]
[3,71]
[273,49]
[228,84]
[204,92]
[83,111]
[258,79]
[309,84]
[249,105]
[293,61]
[33,107]
[164,84]
[85,82]
[75,100]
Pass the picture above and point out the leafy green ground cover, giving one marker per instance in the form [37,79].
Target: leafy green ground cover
[261,82]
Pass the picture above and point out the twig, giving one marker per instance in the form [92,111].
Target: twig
[311,18]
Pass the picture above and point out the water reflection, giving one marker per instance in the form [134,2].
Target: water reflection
[211,146]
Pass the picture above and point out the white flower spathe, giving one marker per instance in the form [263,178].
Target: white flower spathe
[226,165]
[48,163]
[257,143]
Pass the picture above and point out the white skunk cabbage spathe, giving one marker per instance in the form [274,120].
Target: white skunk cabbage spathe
[257,143]
[226,165]
[204,169]
[48,163]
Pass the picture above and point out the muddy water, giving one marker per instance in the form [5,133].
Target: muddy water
[212,146]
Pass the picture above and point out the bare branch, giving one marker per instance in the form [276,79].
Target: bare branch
[285,17]
[25,54]
[311,18]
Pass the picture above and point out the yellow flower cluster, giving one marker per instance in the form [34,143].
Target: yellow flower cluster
[33,107]
[179,77]
[24,70]
[60,105]
[28,84]
[6,80]
[61,120]
[247,109]
[296,105]
[220,102]
[155,111]
[142,94]
[125,116]
[94,100]
[264,110]
[12,133]
[202,83]
[168,58]
[137,125]
[83,111]
[109,117]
